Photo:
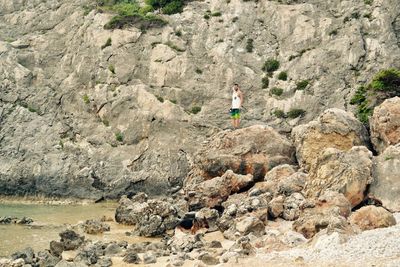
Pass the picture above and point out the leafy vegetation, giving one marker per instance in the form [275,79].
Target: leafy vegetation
[295,113]
[385,84]
[86,99]
[279,113]
[282,76]
[129,13]
[276,91]
[119,137]
[265,82]
[271,65]
[302,85]
[196,109]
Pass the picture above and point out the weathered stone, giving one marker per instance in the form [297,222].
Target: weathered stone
[292,206]
[347,172]
[243,247]
[152,217]
[386,172]
[372,217]
[64,263]
[244,226]
[208,217]
[310,223]
[292,184]
[251,150]
[56,248]
[131,257]
[185,242]
[26,254]
[385,124]
[56,133]
[95,227]
[275,207]
[71,240]
[112,249]
[212,193]
[149,257]
[208,259]
[46,259]
[334,128]
[329,212]
[104,262]
[272,179]
[215,244]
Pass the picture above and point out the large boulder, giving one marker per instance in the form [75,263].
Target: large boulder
[386,185]
[253,150]
[347,172]
[328,212]
[69,240]
[385,124]
[151,217]
[372,217]
[212,193]
[334,128]
[244,226]
[282,179]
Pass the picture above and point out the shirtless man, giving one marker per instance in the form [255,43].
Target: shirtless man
[237,101]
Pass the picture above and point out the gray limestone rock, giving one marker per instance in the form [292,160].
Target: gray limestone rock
[71,127]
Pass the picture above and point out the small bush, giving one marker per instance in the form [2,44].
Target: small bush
[265,82]
[167,6]
[86,99]
[216,14]
[295,113]
[196,109]
[178,33]
[250,45]
[173,101]
[160,98]
[173,7]
[119,137]
[271,65]
[302,85]
[359,96]
[106,122]
[368,2]
[206,16]
[385,84]
[198,71]
[108,43]
[276,91]
[282,76]
[279,113]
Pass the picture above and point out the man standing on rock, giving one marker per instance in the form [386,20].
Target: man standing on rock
[237,101]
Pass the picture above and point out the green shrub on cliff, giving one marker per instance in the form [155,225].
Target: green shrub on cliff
[129,13]
[271,65]
[385,84]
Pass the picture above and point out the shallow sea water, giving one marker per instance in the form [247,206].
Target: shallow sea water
[49,220]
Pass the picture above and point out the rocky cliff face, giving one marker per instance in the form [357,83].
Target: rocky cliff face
[82,119]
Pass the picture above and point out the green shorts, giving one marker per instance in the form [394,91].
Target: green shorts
[235,113]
